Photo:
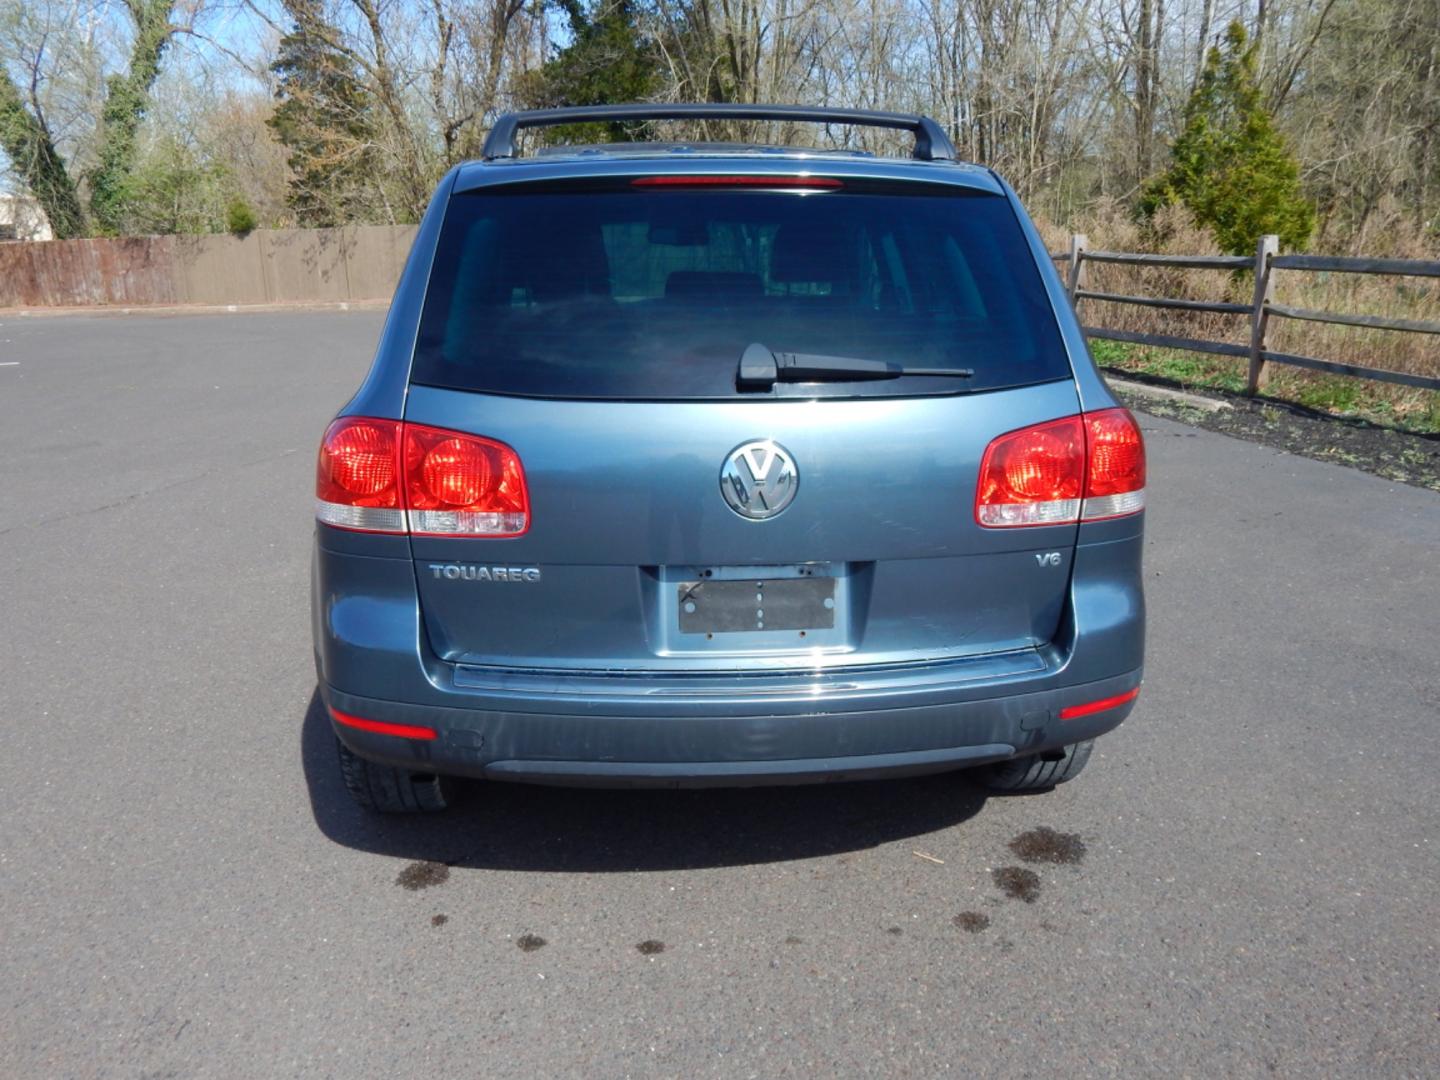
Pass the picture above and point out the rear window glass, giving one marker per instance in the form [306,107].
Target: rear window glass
[655,294]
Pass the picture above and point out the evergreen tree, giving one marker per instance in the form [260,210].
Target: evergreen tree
[324,120]
[609,61]
[1230,166]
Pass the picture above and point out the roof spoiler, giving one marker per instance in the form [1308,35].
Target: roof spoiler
[931,142]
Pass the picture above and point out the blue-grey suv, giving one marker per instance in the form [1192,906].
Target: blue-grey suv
[717,464]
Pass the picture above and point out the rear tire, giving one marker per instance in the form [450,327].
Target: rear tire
[384,789]
[1035,772]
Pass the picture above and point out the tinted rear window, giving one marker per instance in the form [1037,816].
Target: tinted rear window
[655,294]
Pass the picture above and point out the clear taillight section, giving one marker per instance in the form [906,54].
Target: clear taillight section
[1088,468]
[389,476]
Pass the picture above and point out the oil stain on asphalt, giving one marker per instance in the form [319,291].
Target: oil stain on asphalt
[1017,883]
[1045,845]
[421,875]
[1039,845]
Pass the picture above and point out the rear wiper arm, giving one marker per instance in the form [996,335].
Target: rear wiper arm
[760,369]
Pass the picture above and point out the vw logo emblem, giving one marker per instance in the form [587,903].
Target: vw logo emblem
[759,479]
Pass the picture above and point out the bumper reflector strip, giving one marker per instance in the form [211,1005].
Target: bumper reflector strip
[380,727]
[1071,712]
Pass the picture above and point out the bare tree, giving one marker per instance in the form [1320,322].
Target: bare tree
[1073,100]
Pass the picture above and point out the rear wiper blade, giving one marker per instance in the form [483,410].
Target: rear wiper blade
[760,369]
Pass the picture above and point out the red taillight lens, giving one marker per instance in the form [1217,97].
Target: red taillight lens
[357,463]
[1087,468]
[737,181]
[463,485]
[357,475]
[1033,476]
[388,476]
[1115,477]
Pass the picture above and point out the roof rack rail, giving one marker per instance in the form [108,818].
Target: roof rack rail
[931,142]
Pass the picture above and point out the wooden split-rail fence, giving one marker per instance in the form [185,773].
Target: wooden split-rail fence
[1259,312]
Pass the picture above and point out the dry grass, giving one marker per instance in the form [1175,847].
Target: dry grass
[1109,228]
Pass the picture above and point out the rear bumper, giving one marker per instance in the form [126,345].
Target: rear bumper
[727,750]
[753,727]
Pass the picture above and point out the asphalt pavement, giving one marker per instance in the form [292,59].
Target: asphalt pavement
[186,891]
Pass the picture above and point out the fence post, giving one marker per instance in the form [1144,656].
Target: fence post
[1076,279]
[1259,312]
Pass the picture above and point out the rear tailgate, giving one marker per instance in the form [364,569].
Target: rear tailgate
[597,334]
[621,492]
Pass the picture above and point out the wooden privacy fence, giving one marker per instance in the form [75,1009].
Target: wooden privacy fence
[1259,311]
[274,266]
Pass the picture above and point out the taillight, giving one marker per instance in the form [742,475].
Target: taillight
[389,476]
[463,485]
[1034,476]
[1086,467]
[1115,478]
[357,476]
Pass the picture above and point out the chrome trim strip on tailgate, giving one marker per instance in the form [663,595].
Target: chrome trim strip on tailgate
[814,683]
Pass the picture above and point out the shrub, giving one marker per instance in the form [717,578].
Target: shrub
[239,218]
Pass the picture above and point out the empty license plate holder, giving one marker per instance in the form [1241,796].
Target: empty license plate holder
[756,604]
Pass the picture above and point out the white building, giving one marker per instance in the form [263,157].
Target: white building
[22,219]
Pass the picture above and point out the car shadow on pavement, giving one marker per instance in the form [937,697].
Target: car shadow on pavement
[500,826]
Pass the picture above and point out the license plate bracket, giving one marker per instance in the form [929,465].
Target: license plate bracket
[748,605]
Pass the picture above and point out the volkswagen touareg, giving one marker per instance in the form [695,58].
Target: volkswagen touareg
[697,463]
